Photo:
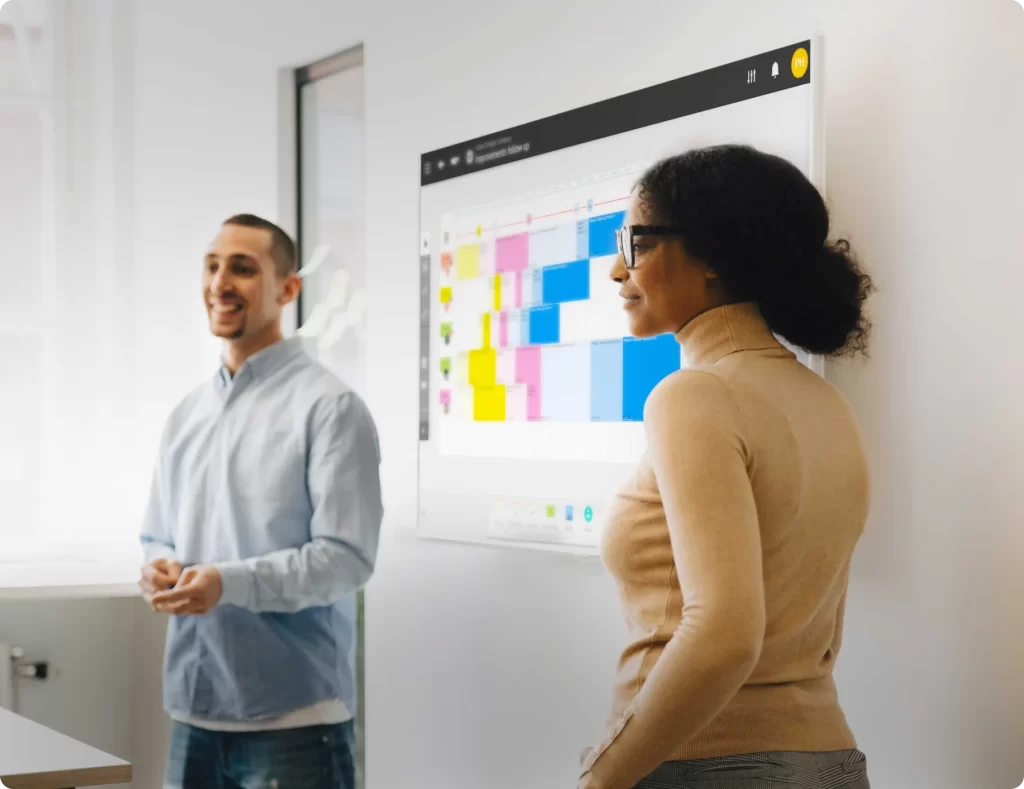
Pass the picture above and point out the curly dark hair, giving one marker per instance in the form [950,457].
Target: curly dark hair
[762,227]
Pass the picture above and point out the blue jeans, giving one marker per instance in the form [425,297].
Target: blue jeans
[316,757]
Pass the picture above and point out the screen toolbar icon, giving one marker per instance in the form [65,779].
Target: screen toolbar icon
[800,62]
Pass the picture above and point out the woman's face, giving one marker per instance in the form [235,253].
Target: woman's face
[666,289]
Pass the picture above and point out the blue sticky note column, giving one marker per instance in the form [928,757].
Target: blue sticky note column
[602,234]
[524,327]
[582,239]
[606,381]
[644,364]
[544,325]
[537,289]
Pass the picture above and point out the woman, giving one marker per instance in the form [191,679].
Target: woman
[731,545]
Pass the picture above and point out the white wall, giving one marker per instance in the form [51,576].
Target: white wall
[491,668]
[89,645]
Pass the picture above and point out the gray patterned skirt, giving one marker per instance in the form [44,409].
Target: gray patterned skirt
[776,770]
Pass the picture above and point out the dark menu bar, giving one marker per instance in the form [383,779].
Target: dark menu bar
[760,75]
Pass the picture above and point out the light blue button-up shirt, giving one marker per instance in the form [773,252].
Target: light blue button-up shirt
[272,476]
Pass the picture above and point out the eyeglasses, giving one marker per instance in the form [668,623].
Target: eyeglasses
[627,235]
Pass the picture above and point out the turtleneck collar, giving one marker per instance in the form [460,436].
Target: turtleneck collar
[721,331]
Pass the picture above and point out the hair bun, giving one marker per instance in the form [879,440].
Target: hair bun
[762,226]
[820,309]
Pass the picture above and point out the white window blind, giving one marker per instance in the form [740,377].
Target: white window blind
[27,256]
[76,446]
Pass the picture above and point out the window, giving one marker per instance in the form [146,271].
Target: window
[332,245]
[76,444]
[27,258]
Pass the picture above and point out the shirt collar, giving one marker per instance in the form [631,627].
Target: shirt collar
[718,332]
[262,363]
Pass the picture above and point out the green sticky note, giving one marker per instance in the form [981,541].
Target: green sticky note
[551,510]
[446,366]
[446,330]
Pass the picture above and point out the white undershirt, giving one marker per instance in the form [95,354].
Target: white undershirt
[321,714]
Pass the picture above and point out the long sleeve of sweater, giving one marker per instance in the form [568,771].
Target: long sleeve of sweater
[696,447]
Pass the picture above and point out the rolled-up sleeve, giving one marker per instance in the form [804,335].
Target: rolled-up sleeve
[343,478]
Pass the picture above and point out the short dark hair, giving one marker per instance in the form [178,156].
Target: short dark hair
[762,227]
[282,248]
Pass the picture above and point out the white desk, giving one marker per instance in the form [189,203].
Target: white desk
[34,757]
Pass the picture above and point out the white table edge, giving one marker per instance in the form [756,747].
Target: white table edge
[98,767]
[71,779]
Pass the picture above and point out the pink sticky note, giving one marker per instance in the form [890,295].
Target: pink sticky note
[533,403]
[512,253]
[519,290]
[515,403]
[446,262]
[506,372]
[503,329]
[528,372]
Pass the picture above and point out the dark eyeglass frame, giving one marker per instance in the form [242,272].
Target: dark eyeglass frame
[626,237]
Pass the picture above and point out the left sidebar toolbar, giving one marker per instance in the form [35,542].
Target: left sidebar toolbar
[425,337]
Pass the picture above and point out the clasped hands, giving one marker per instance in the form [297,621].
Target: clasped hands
[170,589]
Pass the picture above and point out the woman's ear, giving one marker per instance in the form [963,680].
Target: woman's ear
[707,272]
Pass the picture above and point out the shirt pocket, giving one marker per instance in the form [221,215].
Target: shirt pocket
[271,470]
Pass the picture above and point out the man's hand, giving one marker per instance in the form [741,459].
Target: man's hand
[158,576]
[198,590]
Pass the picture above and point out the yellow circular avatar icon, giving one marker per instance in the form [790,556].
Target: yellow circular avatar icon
[800,62]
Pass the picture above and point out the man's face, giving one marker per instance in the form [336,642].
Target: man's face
[242,290]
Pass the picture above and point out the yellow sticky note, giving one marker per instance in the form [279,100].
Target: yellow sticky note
[467,261]
[486,321]
[489,404]
[497,293]
[483,367]
[446,295]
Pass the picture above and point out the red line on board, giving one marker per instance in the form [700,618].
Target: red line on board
[556,213]
[544,216]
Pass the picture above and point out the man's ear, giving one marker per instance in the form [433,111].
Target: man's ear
[290,289]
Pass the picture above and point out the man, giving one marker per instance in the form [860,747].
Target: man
[263,521]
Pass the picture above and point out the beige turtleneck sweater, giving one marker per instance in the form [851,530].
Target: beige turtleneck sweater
[731,548]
